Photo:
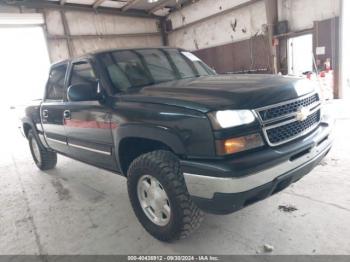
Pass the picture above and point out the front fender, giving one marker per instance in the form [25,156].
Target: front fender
[158,133]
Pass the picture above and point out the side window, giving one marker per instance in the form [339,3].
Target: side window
[55,84]
[82,73]
[182,65]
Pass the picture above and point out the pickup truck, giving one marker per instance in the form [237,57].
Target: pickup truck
[187,139]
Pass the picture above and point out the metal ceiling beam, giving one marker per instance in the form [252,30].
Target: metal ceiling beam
[160,6]
[97,3]
[130,4]
[60,37]
[37,4]
[168,2]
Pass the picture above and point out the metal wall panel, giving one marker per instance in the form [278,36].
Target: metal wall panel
[326,34]
[248,56]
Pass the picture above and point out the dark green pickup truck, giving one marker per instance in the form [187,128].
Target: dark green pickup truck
[187,140]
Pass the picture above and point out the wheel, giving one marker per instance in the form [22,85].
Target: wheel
[43,158]
[159,196]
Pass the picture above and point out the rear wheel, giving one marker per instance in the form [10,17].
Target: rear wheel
[159,196]
[43,158]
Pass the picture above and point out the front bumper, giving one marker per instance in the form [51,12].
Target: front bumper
[231,191]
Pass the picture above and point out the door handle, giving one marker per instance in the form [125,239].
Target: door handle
[45,113]
[66,114]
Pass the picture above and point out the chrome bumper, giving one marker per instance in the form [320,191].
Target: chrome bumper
[207,186]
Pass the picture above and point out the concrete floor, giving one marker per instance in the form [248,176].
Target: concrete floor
[79,209]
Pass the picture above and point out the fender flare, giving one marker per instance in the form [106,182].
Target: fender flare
[29,121]
[158,133]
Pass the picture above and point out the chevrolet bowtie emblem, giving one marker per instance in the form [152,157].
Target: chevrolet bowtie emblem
[302,114]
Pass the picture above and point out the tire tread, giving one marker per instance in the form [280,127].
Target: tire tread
[169,166]
[48,158]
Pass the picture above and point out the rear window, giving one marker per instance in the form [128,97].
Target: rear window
[55,84]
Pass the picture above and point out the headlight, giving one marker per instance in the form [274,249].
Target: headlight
[231,118]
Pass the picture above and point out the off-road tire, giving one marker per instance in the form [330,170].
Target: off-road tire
[185,216]
[48,159]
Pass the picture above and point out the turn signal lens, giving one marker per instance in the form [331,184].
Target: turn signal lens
[238,144]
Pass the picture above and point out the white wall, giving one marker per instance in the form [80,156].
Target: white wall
[302,13]
[202,9]
[218,30]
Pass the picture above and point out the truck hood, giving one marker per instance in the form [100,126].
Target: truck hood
[223,91]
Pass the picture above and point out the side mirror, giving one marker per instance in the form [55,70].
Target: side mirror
[83,92]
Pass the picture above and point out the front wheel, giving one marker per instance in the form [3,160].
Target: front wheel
[159,196]
[43,158]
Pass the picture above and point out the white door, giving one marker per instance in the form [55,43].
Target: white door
[300,56]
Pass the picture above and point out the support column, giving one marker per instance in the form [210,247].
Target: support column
[271,7]
[163,32]
[67,33]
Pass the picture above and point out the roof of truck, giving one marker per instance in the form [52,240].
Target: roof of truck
[66,61]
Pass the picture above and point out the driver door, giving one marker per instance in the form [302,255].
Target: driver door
[87,123]
[52,109]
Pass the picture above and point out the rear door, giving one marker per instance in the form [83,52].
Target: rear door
[87,123]
[53,107]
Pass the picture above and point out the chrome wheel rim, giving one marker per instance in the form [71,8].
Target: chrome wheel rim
[36,150]
[154,200]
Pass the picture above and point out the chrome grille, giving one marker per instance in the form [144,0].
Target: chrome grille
[284,122]
[286,132]
[279,111]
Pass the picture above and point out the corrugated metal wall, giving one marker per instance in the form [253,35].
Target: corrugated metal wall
[247,56]
[72,33]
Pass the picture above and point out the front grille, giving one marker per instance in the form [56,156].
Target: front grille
[281,123]
[294,129]
[289,108]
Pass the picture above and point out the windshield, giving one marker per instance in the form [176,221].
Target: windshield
[141,67]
